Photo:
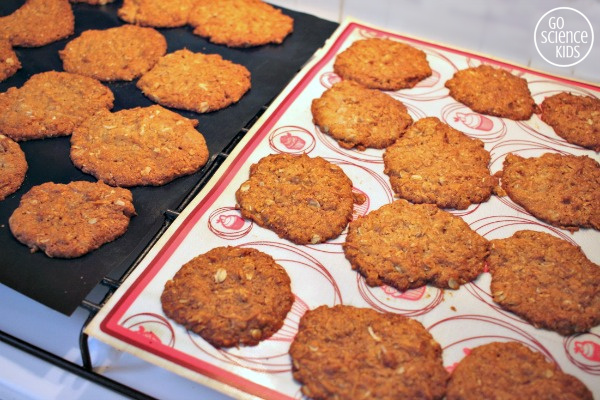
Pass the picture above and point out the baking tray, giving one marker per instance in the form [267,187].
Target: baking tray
[133,320]
[62,284]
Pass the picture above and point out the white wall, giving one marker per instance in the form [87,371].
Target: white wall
[500,28]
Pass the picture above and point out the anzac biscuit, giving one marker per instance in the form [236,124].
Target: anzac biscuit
[302,199]
[492,91]
[9,62]
[230,296]
[38,22]
[382,64]
[195,81]
[51,104]
[71,220]
[547,281]
[140,146]
[434,163]
[574,118]
[116,54]
[408,245]
[359,117]
[240,23]
[344,352]
[156,13]
[511,371]
[13,167]
[563,190]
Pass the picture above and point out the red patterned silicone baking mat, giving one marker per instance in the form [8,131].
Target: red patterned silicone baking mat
[459,320]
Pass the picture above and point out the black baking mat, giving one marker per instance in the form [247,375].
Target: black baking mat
[62,284]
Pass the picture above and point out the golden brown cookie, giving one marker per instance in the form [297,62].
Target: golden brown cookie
[547,281]
[68,221]
[230,296]
[156,13]
[38,22]
[13,167]
[195,81]
[302,199]
[51,104]
[140,146]
[9,62]
[344,352]
[511,371]
[359,117]
[434,163]
[382,64]
[563,190]
[116,54]
[240,23]
[574,118]
[492,91]
[93,2]
[407,245]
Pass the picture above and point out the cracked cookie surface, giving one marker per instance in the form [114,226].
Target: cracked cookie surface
[511,371]
[434,163]
[93,2]
[359,117]
[156,13]
[407,245]
[9,62]
[70,220]
[195,81]
[574,118]
[13,167]
[545,280]
[563,190]
[51,104]
[38,23]
[115,54]
[240,23]
[492,91]
[382,64]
